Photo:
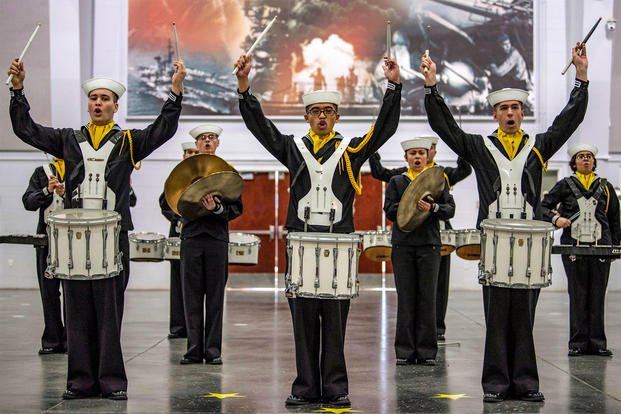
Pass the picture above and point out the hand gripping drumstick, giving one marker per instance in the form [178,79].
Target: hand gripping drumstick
[176,40]
[581,44]
[256,42]
[32,36]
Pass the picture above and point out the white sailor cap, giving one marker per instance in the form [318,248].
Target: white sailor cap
[418,142]
[205,128]
[190,145]
[576,148]
[333,97]
[103,83]
[507,94]
[433,138]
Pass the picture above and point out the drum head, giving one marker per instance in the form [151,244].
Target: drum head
[78,216]
[469,252]
[446,249]
[243,239]
[378,253]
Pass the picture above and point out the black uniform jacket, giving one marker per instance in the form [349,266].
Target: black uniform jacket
[284,149]
[562,199]
[170,215]
[472,148]
[429,231]
[61,143]
[215,225]
[34,199]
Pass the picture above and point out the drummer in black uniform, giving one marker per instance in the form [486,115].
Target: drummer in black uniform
[586,207]
[416,258]
[94,308]
[509,365]
[204,264]
[319,324]
[176,319]
[453,175]
[45,192]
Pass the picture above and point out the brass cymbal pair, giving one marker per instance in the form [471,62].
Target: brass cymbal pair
[429,182]
[196,176]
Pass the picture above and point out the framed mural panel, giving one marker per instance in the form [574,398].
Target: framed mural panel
[478,46]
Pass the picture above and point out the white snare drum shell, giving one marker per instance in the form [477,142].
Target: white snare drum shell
[322,265]
[515,253]
[146,247]
[243,249]
[83,244]
[376,245]
[172,248]
[448,240]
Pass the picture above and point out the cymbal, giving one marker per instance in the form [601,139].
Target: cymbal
[189,171]
[227,185]
[429,182]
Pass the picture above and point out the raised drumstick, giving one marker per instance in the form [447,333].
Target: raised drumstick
[32,36]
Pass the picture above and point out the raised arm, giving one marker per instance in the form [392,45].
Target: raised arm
[378,171]
[456,175]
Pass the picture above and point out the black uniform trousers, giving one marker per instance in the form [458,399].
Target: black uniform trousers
[204,272]
[509,364]
[587,280]
[177,316]
[54,335]
[124,248]
[94,312]
[416,277]
[442,293]
[319,333]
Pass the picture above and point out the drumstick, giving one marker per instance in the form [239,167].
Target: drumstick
[256,42]
[388,39]
[426,69]
[581,45]
[32,36]
[176,40]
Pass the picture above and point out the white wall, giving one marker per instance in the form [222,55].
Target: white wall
[559,24]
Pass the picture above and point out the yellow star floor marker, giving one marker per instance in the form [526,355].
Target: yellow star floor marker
[222,396]
[337,410]
[451,396]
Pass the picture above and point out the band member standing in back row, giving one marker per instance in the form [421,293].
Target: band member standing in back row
[453,176]
[45,192]
[319,324]
[204,264]
[508,158]
[416,259]
[176,324]
[586,207]
[94,308]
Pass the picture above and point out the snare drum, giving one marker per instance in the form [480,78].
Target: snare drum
[172,248]
[468,244]
[376,245]
[322,265]
[515,253]
[448,239]
[243,249]
[84,244]
[146,247]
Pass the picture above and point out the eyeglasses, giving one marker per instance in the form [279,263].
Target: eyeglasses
[327,111]
[584,157]
[207,137]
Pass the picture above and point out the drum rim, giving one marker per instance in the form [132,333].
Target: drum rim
[254,237]
[324,237]
[517,225]
[132,237]
[107,216]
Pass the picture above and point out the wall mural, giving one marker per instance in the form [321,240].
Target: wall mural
[478,45]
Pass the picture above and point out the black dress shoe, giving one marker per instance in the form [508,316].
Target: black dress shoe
[493,397]
[296,400]
[117,395]
[176,336]
[214,361]
[188,361]
[602,352]
[73,395]
[575,352]
[340,401]
[51,350]
[427,361]
[533,396]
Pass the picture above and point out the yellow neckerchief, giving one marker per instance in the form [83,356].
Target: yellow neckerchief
[60,168]
[510,142]
[319,142]
[586,179]
[448,182]
[98,132]
[413,174]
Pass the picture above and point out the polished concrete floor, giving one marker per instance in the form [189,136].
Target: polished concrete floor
[259,360]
